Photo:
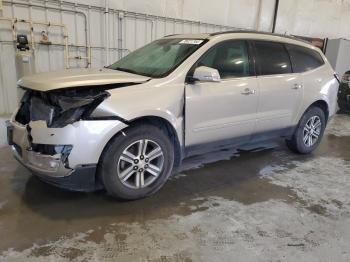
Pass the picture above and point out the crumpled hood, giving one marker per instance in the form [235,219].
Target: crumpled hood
[78,78]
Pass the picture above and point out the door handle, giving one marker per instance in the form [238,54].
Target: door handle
[297,86]
[248,91]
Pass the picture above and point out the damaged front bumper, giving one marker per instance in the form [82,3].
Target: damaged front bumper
[65,157]
[53,135]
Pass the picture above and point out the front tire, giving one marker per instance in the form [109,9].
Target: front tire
[309,132]
[137,162]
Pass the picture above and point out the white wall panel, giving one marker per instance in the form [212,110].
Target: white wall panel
[315,18]
[137,30]
[319,18]
[237,8]
[265,17]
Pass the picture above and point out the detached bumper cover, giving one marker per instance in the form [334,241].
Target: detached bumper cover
[81,179]
[75,170]
[46,165]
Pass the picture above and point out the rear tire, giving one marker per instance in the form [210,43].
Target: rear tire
[309,132]
[137,162]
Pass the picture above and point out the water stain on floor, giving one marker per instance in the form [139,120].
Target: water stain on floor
[212,209]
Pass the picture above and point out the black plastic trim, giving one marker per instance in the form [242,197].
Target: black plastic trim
[83,179]
[9,132]
[242,141]
[106,118]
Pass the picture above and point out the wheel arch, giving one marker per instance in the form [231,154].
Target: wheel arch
[168,128]
[323,105]
[318,103]
[293,141]
[157,121]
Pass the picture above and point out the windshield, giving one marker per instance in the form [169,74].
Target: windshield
[158,58]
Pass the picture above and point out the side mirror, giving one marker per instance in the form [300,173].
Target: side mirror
[206,74]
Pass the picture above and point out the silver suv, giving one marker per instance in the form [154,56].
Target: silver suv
[125,127]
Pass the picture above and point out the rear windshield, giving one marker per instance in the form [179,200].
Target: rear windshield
[158,58]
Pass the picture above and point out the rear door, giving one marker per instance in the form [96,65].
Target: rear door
[281,90]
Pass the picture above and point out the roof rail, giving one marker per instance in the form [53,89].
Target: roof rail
[171,35]
[259,32]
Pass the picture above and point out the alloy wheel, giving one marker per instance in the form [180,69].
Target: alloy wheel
[312,131]
[140,164]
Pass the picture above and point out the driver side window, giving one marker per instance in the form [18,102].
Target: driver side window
[230,58]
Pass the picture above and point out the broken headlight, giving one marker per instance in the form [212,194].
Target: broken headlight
[61,107]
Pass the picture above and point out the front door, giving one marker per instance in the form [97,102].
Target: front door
[222,112]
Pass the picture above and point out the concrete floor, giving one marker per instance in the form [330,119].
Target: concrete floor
[262,205]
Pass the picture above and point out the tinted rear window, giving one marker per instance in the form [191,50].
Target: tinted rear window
[272,58]
[304,59]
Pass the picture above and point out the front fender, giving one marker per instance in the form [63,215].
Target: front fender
[148,100]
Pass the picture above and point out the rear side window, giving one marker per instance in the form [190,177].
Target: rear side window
[304,59]
[272,58]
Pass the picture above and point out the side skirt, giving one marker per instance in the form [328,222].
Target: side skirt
[255,139]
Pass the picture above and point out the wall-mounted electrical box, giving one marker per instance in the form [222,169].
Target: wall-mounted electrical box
[25,62]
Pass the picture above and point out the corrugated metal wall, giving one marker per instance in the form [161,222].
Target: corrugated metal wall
[127,31]
[85,20]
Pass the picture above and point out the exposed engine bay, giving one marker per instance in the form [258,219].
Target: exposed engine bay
[59,107]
